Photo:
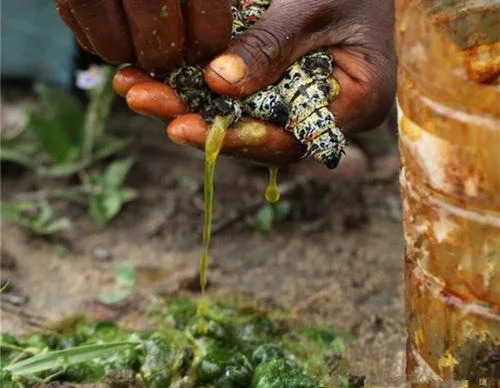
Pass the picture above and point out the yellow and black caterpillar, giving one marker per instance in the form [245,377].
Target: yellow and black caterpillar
[298,102]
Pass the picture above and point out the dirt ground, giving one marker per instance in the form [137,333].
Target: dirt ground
[337,261]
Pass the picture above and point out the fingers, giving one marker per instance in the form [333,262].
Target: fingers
[208,28]
[248,139]
[127,77]
[146,96]
[156,100]
[66,15]
[106,28]
[157,32]
[260,55]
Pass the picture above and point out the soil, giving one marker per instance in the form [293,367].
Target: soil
[337,261]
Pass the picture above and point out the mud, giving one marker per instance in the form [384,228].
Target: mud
[337,261]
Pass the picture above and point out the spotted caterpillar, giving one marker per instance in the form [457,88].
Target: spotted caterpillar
[298,102]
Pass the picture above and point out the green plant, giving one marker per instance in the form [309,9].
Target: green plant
[270,214]
[38,216]
[232,346]
[60,137]
[107,194]
[125,278]
[66,357]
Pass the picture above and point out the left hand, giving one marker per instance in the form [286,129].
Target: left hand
[157,35]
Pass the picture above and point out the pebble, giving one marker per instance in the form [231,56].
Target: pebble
[101,254]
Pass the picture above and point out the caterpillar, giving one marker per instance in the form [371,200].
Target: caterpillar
[298,102]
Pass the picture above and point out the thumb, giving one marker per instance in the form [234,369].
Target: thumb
[260,55]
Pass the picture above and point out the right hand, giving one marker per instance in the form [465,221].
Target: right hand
[156,35]
[359,34]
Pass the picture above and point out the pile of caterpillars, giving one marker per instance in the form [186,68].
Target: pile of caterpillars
[298,102]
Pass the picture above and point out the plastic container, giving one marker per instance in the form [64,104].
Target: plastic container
[449,124]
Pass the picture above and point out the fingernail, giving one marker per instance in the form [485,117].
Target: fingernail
[230,67]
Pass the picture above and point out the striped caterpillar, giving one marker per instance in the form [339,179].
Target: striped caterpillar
[298,102]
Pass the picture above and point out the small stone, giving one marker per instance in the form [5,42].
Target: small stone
[15,299]
[101,254]
[121,379]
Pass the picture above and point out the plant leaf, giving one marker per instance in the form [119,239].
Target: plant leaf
[55,226]
[104,206]
[51,136]
[117,172]
[264,218]
[62,107]
[45,213]
[12,211]
[63,169]
[40,222]
[282,210]
[128,194]
[66,357]
[97,112]
[18,151]
[114,297]
[109,145]
[125,274]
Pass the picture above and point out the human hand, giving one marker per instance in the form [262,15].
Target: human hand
[249,138]
[360,37]
[157,35]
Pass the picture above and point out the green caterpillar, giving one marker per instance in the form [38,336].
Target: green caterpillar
[298,102]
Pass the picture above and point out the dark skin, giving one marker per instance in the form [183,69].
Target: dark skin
[358,32]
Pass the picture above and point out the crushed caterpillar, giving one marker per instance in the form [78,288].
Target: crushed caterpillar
[298,102]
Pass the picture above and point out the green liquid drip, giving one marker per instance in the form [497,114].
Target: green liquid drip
[213,144]
[272,190]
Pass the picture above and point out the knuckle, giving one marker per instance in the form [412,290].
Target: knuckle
[266,44]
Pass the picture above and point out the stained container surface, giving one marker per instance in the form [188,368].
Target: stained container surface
[449,125]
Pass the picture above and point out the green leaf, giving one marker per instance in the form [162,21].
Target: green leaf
[338,345]
[60,170]
[282,210]
[64,358]
[264,218]
[97,113]
[51,136]
[45,213]
[55,226]
[125,274]
[19,151]
[66,168]
[105,206]
[125,277]
[38,217]
[117,172]
[114,297]
[127,194]
[62,107]
[12,211]
[109,145]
